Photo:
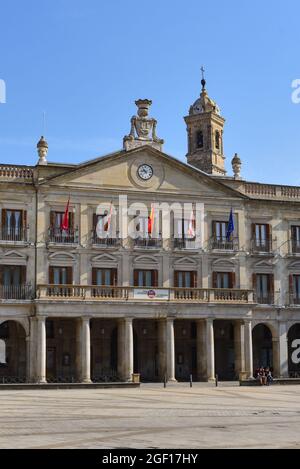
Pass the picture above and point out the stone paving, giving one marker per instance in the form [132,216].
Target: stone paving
[152,417]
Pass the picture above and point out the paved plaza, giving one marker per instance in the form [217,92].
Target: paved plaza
[152,417]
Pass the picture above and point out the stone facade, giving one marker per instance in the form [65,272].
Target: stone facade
[69,307]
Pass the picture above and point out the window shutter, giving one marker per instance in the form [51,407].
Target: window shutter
[271,284]
[95,221]
[24,219]
[232,280]
[135,277]
[194,279]
[51,275]
[3,217]
[1,275]
[71,220]
[114,277]
[213,229]
[214,279]
[253,226]
[175,278]
[293,232]
[291,283]
[69,275]
[94,276]
[23,275]
[254,280]
[154,278]
[52,219]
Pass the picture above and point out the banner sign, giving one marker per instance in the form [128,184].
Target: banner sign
[150,294]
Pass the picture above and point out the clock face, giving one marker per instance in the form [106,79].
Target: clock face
[145,172]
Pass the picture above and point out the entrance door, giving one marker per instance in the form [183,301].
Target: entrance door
[51,363]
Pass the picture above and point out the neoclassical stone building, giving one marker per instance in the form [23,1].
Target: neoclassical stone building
[79,306]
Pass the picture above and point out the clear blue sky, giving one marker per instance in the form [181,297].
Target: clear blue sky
[85,62]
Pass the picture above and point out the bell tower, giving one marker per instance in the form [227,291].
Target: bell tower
[205,134]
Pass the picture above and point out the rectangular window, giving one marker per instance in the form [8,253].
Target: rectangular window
[14,224]
[295,235]
[145,278]
[60,275]
[185,279]
[106,277]
[56,233]
[13,275]
[220,230]
[263,284]
[223,279]
[261,237]
[295,288]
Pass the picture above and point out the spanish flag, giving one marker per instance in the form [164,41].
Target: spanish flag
[151,220]
[65,219]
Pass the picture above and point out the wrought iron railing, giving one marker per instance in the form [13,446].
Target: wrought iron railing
[57,235]
[105,241]
[147,242]
[222,244]
[184,243]
[13,233]
[261,245]
[16,292]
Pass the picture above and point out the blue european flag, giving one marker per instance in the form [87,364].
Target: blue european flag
[230,228]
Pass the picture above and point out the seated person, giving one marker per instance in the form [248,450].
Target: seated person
[268,375]
[261,376]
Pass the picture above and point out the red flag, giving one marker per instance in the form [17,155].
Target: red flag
[151,220]
[108,220]
[192,225]
[65,219]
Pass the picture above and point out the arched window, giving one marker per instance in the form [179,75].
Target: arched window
[2,351]
[217,140]
[199,139]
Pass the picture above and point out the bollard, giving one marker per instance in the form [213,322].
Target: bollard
[191,381]
[217,380]
[165,381]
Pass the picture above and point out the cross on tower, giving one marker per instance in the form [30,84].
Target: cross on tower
[203,82]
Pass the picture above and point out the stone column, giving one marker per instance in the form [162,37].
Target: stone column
[162,352]
[85,351]
[28,359]
[128,349]
[170,347]
[210,349]
[201,351]
[41,350]
[280,352]
[239,347]
[248,349]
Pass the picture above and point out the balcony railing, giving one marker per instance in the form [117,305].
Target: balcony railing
[57,235]
[105,242]
[294,246]
[294,299]
[184,243]
[261,245]
[222,244]
[16,292]
[267,299]
[13,233]
[103,292]
[147,242]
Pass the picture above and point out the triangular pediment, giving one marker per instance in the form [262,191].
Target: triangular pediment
[104,258]
[145,260]
[120,171]
[13,255]
[185,260]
